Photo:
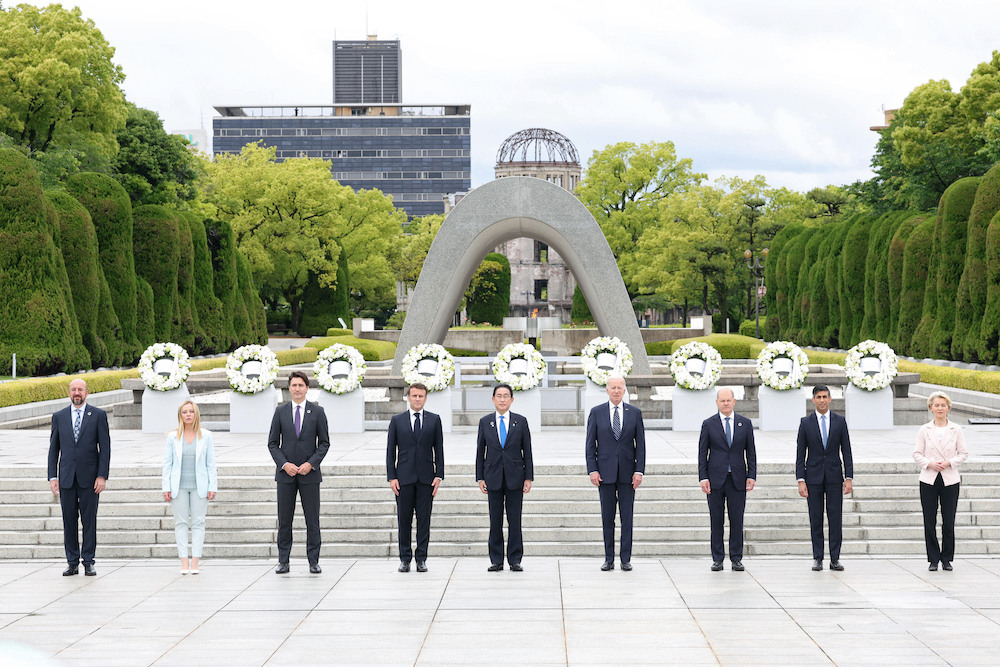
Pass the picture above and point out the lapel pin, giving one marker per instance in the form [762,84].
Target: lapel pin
[492,425]
[739,423]
[308,412]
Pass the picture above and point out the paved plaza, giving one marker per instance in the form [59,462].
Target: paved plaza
[559,611]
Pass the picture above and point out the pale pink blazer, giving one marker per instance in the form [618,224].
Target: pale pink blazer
[952,449]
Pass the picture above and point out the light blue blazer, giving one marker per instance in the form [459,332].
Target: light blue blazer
[204,464]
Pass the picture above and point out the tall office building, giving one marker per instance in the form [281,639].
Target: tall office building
[367,72]
[417,153]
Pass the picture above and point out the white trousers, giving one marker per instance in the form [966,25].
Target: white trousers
[189,513]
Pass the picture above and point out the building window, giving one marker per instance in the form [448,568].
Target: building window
[541,253]
[541,290]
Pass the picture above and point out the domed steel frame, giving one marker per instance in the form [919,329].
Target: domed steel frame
[537,146]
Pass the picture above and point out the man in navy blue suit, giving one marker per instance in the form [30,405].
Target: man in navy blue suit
[414,464]
[727,469]
[821,440]
[616,461]
[79,462]
[504,471]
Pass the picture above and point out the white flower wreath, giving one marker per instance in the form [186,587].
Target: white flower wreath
[605,345]
[534,360]
[181,368]
[860,377]
[429,351]
[782,348]
[242,384]
[340,385]
[696,350]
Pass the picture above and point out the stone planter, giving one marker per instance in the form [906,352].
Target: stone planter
[345,413]
[781,410]
[159,408]
[691,408]
[868,410]
[252,413]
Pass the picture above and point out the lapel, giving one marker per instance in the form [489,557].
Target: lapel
[722,428]
[199,446]
[944,446]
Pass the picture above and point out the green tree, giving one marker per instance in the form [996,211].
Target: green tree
[207,307]
[185,327]
[580,312]
[61,89]
[917,264]
[154,167]
[488,296]
[156,246]
[323,306]
[622,188]
[989,330]
[895,278]
[145,321]
[952,239]
[416,241]
[255,329]
[225,281]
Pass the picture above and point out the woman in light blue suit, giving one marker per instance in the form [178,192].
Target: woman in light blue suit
[189,481]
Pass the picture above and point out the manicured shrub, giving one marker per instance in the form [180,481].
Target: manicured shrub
[256,319]
[916,265]
[834,267]
[488,297]
[814,307]
[323,306]
[335,331]
[749,327]
[852,280]
[730,346]
[224,281]
[186,329]
[37,321]
[971,300]
[952,241]
[776,279]
[882,325]
[989,330]
[207,307]
[145,321]
[111,213]
[894,276]
[157,253]
[794,254]
[371,350]
[580,312]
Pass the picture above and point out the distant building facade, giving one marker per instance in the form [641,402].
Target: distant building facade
[367,72]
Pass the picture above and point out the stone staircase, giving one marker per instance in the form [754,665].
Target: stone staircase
[561,514]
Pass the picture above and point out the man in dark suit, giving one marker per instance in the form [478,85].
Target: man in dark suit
[414,464]
[298,441]
[821,440]
[727,469]
[504,471]
[616,461]
[79,463]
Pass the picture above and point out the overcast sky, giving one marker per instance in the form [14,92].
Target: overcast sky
[783,89]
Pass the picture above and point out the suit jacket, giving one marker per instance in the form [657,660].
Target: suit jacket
[952,449]
[310,445]
[510,464]
[816,465]
[409,460]
[716,457]
[85,460]
[205,473]
[615,460]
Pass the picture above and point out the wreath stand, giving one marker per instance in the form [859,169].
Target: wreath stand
[440,403]
[690,407]
[868,410]
[780,410]
[252,413]
[159,408]
[345,413]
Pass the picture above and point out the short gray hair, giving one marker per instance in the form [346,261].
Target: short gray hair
[938,394]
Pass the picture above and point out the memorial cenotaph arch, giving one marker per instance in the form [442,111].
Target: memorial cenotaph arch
[509,208]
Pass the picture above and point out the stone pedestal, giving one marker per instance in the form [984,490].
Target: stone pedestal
[159,408]
[868,410]
[252,413]
[529,404]
[345,413]
[440,403]
[691,408]
[780,410]
[594,394]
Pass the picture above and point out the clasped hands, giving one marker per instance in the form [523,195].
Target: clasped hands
[595,479]
[939,465]
[294,470]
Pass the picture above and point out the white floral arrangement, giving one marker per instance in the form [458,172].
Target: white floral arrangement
[859,377]
[340,385]
[696,350]
[181,368]
[605,345]
[242,384]
[445,368]
[535,366]
[778,349]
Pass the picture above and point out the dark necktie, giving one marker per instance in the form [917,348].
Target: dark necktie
[616,424]
[298,420]
[729,433]
[503,433]
[76,425]
[416,426]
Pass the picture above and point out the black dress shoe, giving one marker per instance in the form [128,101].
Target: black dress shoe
[404,567]
[281,569]
[496,567]
[421,566]
[818,565]
[946,565]
[608,566]
[835,565]
[314,568]
[516,567]
[738,566]
[89,570]
[932,567]
[717,566]
[71,570]
[627,567]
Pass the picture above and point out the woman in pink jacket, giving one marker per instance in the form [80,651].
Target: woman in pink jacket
[940,450]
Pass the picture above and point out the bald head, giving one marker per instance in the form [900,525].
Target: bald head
[725,400]
[77,392]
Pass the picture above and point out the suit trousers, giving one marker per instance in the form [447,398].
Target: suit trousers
[930,496]
[189,513]
[622,495]
[414,497]
[512,499]
[736,499]
[309,497]
[79,500]
[830,494]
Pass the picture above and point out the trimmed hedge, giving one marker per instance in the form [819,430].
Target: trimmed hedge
[815,310]
[580,312]
[730,346]
[371,350]
[207,307]
[224,280]
[749,327]
[490,301]
[111,213]
[834,268]
[852,281]
[145,327]
[950,249]
[322,306]
[989,330]
[894,275]
[157,253]
[335,331]
[256,330]
[776,279]
[185,326]
[916,266]
[972,287]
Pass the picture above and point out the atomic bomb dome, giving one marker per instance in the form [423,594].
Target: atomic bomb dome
[540,153]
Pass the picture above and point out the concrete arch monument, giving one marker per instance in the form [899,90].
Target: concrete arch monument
[510,208]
